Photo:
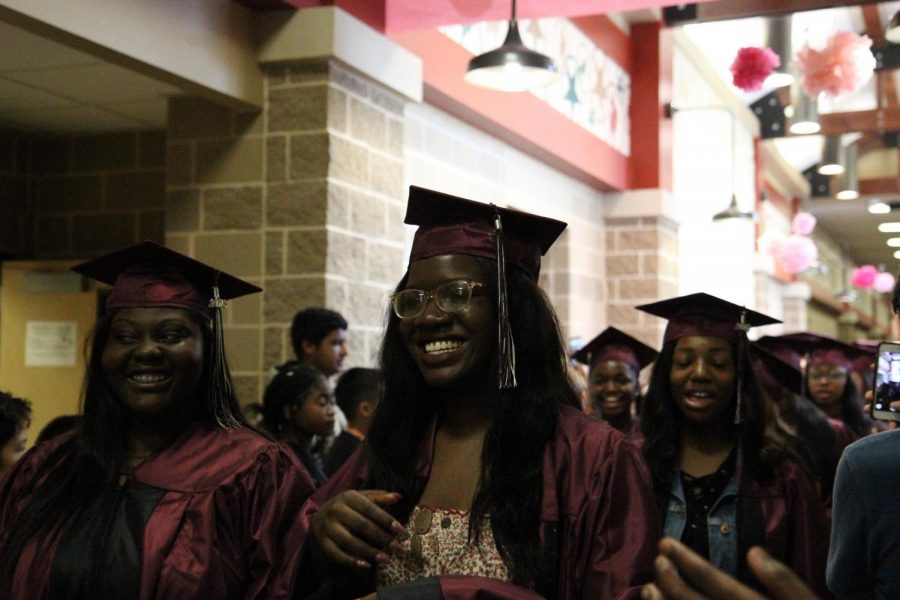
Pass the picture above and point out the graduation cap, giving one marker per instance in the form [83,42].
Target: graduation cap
[863,364]
[613,344]
[453,225]
[823,350]
[772,367]
[148,275]
[704,314]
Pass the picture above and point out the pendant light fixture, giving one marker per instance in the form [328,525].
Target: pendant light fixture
[892,33]
[832,162]
[850,185]
[805,118]
[778,34]
[512,67]
[732,211]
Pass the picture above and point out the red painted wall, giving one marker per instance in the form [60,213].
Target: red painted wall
[651,90]
[520,119]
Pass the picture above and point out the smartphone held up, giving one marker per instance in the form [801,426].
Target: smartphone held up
[886,403]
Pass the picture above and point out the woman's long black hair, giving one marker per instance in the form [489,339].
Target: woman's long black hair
[511,483]
[662,422]
[73,476]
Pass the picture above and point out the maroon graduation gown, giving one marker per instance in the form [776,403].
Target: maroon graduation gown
[597,496]
[222,523]
[788,518]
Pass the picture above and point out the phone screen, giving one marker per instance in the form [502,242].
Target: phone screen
[886,403]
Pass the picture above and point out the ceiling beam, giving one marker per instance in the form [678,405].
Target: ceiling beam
[879,187]
[863,121]
[740,9]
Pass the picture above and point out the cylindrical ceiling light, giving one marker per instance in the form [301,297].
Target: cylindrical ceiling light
[832,162]
[805,118]
[877,207]
[850,185]
[778,34]
[512,67]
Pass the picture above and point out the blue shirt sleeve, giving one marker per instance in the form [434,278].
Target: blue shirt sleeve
[848,556]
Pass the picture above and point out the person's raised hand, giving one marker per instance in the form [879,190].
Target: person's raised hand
[681,574]
[353,529]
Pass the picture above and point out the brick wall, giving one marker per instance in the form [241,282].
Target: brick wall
[15,195]
[641,267]
[96,193]
[304,199]
[335,202]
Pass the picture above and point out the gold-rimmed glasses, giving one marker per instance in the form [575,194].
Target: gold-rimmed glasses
[450,297]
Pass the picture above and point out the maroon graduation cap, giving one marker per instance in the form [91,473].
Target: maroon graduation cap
[704,314]
[776,367]
[453,225]
[821,349]
[150,275]
[613,344]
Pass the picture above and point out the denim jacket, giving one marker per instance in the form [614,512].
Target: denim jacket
[721,522]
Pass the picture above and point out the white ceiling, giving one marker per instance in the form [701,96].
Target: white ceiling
[847,221]
[49,87]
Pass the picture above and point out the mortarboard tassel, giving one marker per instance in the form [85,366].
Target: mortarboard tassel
[506,344]
[221,392]
[742,328]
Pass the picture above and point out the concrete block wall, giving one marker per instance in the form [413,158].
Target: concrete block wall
[304,199]
[642,266]
[335,200]
[96,193]
[214,212]
[15,194]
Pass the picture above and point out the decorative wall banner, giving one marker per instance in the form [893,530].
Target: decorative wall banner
[593,91]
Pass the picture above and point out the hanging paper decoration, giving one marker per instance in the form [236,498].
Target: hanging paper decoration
[884,282]
[844,65]
[794,253]
[803,223]
[751,66]
[863,277]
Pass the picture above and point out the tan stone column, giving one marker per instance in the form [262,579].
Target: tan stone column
[641,259]
[306,197]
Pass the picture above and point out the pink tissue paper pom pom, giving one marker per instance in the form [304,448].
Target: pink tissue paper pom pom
[796,253]
[884,282]
[803,223]
[844,65]
[751,66]
[863,277]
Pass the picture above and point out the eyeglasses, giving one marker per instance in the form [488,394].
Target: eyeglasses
[450,297]
[833,374]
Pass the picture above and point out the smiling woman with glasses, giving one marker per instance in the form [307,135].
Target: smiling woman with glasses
[479,477]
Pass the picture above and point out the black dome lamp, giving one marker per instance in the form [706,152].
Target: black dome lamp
[512,67]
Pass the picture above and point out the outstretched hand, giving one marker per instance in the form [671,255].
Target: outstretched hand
[681,574]
[354,530]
